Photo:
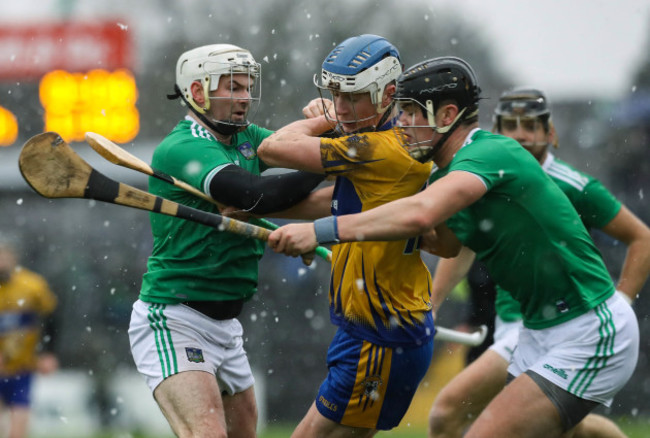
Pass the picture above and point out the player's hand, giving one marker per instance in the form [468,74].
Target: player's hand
[318,107]
[235,213]
[308,258]
[441,241]
[294,239]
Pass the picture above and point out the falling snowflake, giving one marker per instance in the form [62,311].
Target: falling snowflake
[485,225]
[193,167]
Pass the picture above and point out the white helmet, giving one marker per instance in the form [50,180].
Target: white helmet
[207,64]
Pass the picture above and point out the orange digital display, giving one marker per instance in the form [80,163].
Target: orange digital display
[99,101]
[8,127]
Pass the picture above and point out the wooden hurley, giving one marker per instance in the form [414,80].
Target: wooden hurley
[54,170]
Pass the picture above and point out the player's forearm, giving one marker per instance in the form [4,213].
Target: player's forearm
[450,272]
[414,215]
[400,219]
[295,146]
[636,268]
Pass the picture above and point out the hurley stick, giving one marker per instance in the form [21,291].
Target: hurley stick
[121,157]
[472,339]
[54,170]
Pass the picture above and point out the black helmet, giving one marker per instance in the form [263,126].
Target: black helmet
[522,102]
[440,79]
[432,82]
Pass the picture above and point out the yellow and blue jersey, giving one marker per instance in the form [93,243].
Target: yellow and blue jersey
[24,300]
[379,291]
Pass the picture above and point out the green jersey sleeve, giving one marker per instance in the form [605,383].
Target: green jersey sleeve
[594,203]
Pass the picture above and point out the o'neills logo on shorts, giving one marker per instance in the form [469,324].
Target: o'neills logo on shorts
[328,404]
[558,371]
[194,355]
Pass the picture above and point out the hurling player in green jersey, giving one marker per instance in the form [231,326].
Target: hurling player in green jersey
[524,115]
[185,337]
[579,342]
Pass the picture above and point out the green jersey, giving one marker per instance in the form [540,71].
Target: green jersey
[593,202]
[527,233]
[189,261]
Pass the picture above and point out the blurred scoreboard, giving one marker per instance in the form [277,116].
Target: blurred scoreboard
[84,77]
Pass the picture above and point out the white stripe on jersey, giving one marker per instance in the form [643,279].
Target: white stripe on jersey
[208,178]
[564,173]
[198,130]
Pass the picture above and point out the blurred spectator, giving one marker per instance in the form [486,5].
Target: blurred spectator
[25,299]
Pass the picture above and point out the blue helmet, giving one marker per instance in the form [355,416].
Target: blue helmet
[361,64]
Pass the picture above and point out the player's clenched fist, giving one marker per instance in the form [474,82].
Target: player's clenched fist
[318,107]
[294,239]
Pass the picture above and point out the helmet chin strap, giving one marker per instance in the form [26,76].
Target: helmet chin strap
[446,131]
[223,128]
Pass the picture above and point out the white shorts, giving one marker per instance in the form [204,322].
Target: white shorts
[167,339]
[592,356]
[506,336]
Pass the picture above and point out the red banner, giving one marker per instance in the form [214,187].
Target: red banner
[30,51]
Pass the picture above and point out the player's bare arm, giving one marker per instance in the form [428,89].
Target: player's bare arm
[449,272]
[393,221]
[630,230]
[296,145]
[415,215]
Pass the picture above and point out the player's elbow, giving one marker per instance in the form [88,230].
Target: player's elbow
[420,222]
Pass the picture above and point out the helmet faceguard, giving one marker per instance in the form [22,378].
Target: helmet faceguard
[206,65]
[430,84]
[525,108]
[361,64]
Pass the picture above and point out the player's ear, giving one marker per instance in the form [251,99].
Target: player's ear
[448,113]
[197,93]
[387,98]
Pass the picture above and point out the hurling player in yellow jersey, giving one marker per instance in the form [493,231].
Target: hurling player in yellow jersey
[25,299]
[379,291]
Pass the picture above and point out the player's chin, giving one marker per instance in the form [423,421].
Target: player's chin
[238,117]
[351,126]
